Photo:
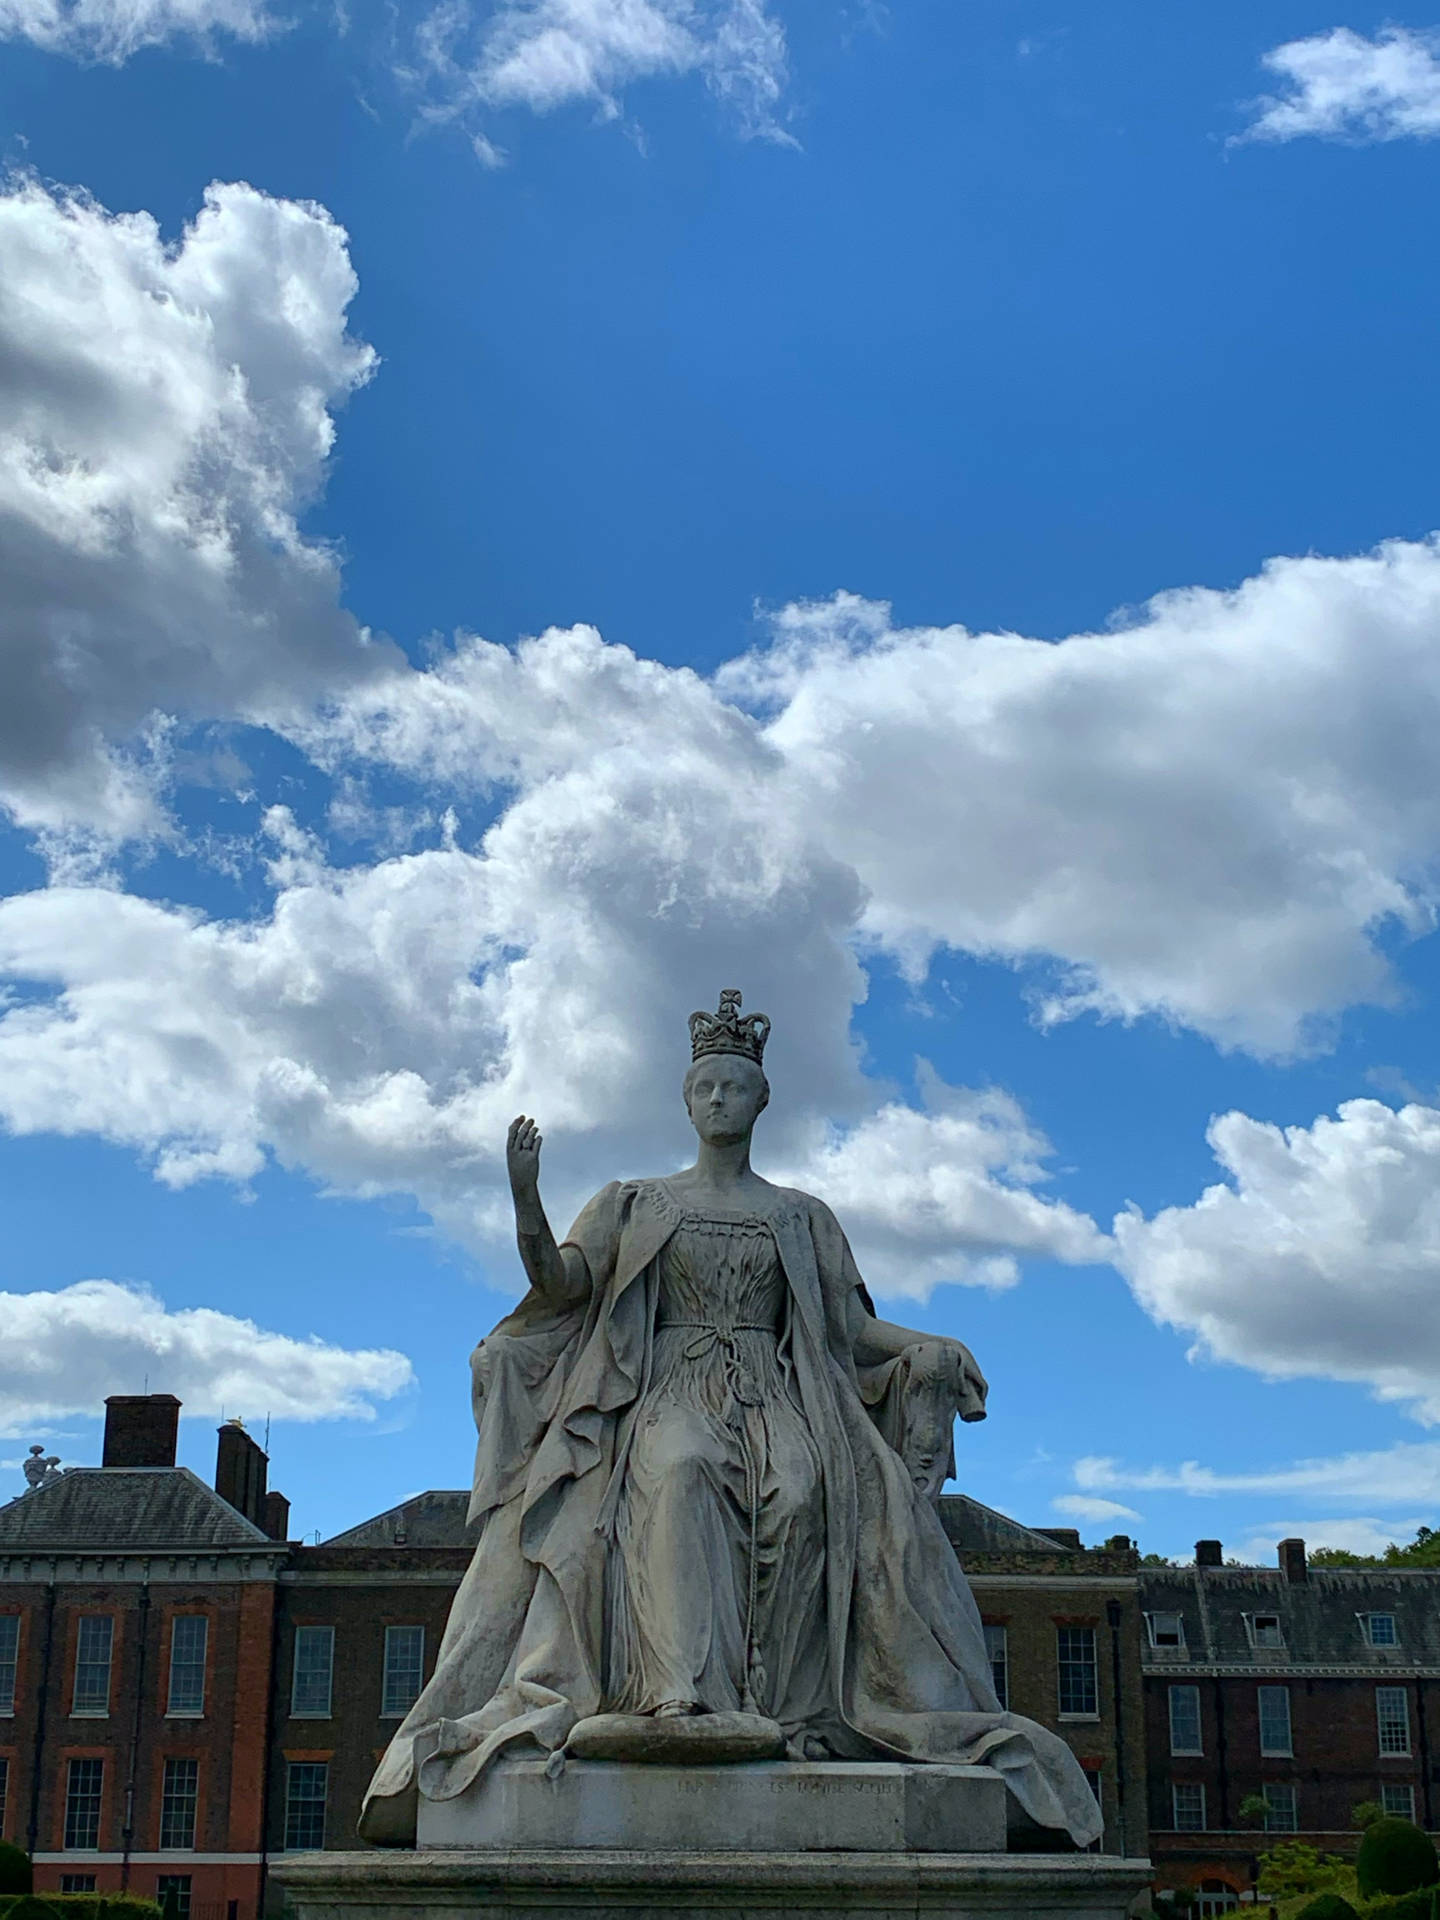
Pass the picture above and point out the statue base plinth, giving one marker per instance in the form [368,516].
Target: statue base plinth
[781,1805]
[578,1884]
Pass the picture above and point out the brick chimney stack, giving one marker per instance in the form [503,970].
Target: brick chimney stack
[276,1521]
[1293,1563]
[241,1465]
[1209,1553]
[140,1430]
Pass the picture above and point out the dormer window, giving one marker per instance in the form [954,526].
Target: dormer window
[1379,1629]
[1166,1630]
[1264,1630]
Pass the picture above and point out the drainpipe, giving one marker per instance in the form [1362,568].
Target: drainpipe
[127,1838]
[1113,1615]
[1426,1791]
[32,1828]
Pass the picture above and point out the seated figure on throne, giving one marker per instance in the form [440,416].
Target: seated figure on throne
[705,1479]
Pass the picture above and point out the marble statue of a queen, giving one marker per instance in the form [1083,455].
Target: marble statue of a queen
[705,1483]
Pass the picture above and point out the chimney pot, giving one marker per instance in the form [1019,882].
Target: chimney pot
[1209,1553]
[1293,1563]
[140,1430]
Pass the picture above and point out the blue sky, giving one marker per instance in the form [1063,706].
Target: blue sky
[518,517]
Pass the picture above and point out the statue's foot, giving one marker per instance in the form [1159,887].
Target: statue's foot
[676,1709]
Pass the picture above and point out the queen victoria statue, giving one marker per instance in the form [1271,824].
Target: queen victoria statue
[705,1483]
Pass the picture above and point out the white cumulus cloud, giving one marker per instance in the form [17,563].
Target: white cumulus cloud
[165,413]
[1341,86]
[110,31]
[63,1352]
[1369,1537]
[1320,1256]
[1398,1476]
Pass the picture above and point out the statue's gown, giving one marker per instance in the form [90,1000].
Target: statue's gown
[685,1499]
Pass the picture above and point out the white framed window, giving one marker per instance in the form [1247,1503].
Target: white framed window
[1392,1714]
[1187,1806]
[997,1645]
[307,1782]
[77,1883]
[179,1798]
[1274,1712]
[179,1885]
[189,1641]
[1215,1897]
[1397,1797]
[312,1674]
[1165,1630]
[1264,1629]
[84,1786]
[94,1645]
[404,1671]
[1185,1720]
[1079,1686]
[1282,1807]
[9,1661]
[1379,1629]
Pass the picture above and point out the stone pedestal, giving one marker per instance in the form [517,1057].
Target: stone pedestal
[780,1806]
[596,1884]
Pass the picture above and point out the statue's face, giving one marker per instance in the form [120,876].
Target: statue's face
[725,1095]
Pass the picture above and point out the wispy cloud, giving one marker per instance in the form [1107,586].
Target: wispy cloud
[1353,1535]
[1081,1506]
[1408,1473]
[1341,86]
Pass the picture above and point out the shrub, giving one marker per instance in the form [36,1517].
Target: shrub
[1419,1905]
[1291,1867]
[16,1874]
[88,1906]
[1365,1813]
[27,1907]
[1327,1906]
[1395,1857]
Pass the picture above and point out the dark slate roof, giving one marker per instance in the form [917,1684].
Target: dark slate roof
[437,1519]
[135,1509]
[434,1519]
[1319,1616]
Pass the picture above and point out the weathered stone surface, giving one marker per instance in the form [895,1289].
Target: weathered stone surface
[679,1740]
[576,1885]
[788,1806]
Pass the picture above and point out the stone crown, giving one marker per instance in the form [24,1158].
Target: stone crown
[727,1032]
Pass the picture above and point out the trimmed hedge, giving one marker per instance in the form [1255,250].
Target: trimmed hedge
[1395,1857]
[16,1873]
[78,1906]
[1327,1906]
[1419,1905]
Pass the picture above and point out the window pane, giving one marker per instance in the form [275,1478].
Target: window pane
[1398,1800]
[176,1883]
[314,1662]
[1380,1629]
[1185,1720]
[1283,1804]
[1166,1629]
[83,1783]
[1078,1691]
[9,1656]
[178,1795]
[189,1638]
[306,1782]
[404,1670]
[1188,1800]
[93,1642]
[1265,1630]
[997,1645]
[1392,1710]
[1274,1719]
[77,1883]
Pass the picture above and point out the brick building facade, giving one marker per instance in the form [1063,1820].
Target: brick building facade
[137,1622]
[1313,1689]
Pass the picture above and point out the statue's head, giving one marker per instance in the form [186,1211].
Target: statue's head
[725,1089]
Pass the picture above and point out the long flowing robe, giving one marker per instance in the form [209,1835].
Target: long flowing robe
[527,1650]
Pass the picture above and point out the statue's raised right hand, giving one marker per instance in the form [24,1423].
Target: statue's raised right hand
[522,1156]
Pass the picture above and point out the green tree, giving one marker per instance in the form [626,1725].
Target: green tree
[1252,1810]
[1365,1813]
